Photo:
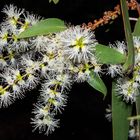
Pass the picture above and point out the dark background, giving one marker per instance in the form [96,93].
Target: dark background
[84,115]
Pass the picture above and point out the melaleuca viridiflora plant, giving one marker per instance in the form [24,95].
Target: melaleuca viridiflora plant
[36,51]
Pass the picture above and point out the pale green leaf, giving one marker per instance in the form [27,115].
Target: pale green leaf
[96,82]
[120,113]
[44,27]
[107,55]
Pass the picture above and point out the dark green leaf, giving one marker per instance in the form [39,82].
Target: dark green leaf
[96,82]
[107,55]
[120,112]
[44,27]
[137,28]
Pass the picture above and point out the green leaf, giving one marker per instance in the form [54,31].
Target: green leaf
[96,82]
[129,64]
[120,112]
[107,55]
[44,27]
[137,28]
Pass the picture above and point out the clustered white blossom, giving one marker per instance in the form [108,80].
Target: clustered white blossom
[55,61]
[128,87]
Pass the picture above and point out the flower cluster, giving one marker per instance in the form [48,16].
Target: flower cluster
[55,61]
[128,87]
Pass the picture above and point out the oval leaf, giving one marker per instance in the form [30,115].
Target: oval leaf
[44,27]
[120,113]
[96,82]
[137,28]
[107,55]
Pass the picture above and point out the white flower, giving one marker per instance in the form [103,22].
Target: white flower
[2,64]
[137,49]
[133,131]
[17,92]
[108,114]
[53,93]
[46,94]
[97,69]
[30,65]
[55,98]
[47,124]
[115,70]
[22,46]
[40,110]
[136,41]
[128,89]
[82,76]
[13,13]
[50,82]
[119,46]
[31,19]
[9,39]
[94,62]
[17,76]
[137,78]
[6,98]
[8,78]
[31,82]
[133,134]
[40,43]
[57,104]
[3,37]
[64,80]
[79,44]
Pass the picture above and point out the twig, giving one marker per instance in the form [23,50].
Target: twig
[111,15]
